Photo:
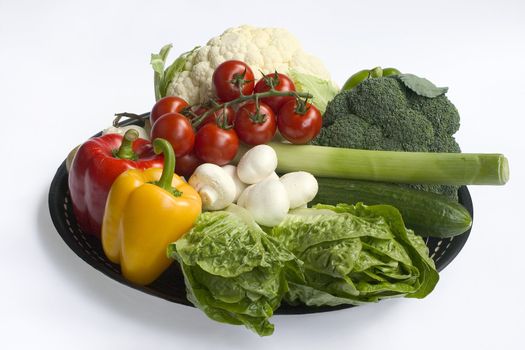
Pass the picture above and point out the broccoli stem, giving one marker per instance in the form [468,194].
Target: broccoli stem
[390,166]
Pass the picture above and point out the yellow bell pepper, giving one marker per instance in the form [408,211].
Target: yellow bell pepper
[145,211]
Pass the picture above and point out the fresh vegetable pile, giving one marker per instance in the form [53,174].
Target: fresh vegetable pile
[246,133]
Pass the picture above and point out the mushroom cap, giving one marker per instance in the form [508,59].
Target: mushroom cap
[241,201]
[301,187]
[267,201]
[239,185]
[256,164]
[214,185]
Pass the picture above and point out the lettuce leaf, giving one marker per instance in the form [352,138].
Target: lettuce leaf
[355,255]
[323,91]
[233,270]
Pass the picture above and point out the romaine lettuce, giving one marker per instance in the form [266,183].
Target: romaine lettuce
[354,255]
[234,271]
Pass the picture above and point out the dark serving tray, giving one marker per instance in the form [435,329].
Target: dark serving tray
[170,285]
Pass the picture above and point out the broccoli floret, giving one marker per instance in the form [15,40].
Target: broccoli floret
[439,111]
[364,135]
[336,108]
[378,98]
[382,114]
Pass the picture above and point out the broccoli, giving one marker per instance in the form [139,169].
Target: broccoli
[383,114]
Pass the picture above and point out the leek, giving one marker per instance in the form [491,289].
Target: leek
[390,166]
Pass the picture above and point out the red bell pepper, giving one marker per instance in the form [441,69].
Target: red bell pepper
[98,162]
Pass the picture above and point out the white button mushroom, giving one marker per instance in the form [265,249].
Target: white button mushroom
[244,194]
[256,164]
[267,201]
[273,176]
[300,186]
[214,185]
[239,185]
[242,198]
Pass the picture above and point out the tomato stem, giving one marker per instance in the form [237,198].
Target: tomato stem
[301,106]
[239,81]
[255,97]
[271,82]
[134,116]
[222,120]
[257,104]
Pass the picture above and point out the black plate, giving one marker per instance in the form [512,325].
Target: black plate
[170,285]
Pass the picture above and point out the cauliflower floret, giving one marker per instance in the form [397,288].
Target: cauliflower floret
[263,49]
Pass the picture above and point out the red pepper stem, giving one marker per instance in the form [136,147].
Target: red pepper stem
[163,146]
[125,150]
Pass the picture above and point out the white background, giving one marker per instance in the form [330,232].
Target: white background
[66,67]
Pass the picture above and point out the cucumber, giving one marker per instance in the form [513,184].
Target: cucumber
[428,214]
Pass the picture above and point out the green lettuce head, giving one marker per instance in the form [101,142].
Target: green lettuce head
[233,270]
[355,255]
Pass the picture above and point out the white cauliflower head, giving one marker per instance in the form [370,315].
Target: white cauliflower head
[263,49]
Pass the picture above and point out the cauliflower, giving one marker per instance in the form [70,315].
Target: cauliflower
[263,49]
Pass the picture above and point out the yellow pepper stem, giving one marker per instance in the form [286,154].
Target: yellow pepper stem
[164,147]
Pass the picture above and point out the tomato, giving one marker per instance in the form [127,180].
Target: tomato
[229,113]
[255,128]
[228,76]
[296,127]
[186,165]
[280,82]
[177,129]
[216,145]
[168,104]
